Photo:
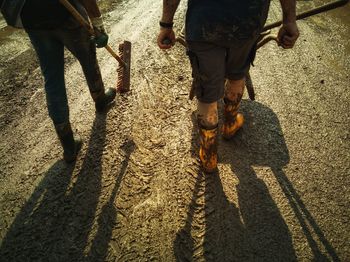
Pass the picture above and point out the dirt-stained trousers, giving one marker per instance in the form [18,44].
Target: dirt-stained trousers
[49,46]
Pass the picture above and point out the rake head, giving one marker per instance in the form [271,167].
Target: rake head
[123,84]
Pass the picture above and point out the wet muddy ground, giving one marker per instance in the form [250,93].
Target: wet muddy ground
[136,192]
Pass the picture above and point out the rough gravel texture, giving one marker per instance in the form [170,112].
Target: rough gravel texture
[136,192]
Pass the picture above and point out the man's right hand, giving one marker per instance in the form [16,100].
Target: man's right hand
[101,37]
[288,35]
[166,38]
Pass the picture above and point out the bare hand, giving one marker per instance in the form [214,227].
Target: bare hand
[166,38]
[288,35]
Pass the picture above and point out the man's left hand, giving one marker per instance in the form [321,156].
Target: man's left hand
[288,35]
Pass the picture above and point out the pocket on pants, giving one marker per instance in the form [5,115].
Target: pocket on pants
[196,81]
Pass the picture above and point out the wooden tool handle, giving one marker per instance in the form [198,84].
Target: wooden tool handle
[311,12]
[266,39]
[110,50]
[77,16]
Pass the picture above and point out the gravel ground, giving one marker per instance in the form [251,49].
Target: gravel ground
[136,192]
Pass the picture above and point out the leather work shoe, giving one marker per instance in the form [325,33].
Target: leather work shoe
[104,98]
[208,149]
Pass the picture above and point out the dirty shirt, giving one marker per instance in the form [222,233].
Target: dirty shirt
[225,20]
[43,14]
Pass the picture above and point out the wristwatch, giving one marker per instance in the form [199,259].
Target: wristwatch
[166,25]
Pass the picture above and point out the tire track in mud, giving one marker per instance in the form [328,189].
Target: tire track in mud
[158,126]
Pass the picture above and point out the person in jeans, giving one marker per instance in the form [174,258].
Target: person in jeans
[221,37]
[50,28]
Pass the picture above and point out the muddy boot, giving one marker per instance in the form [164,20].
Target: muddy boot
[208,149]
[71,145]
[103,98]
[233,120]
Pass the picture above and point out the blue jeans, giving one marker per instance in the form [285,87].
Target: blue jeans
[49,46]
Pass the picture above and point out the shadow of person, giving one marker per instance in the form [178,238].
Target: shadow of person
[108,216]
[261,144]
[36,222]
[184,242]
[255,230]
[83,199]
[213,230]
[56,221]
[225,236]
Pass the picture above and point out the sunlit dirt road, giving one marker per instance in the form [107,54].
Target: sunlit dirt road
[136,192]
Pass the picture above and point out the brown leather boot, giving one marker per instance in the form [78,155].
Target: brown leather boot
[103,98]
[233,120]
[208,149]
[71,145]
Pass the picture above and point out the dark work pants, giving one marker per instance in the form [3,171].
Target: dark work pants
[49,46]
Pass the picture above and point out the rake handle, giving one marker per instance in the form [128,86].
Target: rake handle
[120,61]
[88,27]
[311,12]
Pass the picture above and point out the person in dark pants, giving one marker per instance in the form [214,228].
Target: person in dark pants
[221,37]
[50,28]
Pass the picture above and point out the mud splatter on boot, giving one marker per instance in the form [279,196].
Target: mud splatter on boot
[233,120]
[208,149]
[71,145]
